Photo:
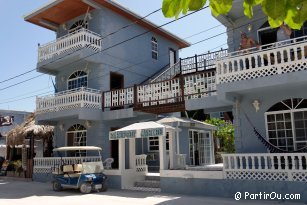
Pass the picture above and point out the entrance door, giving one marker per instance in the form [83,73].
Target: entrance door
[172,57]
[116,81]
[114,151]
[200,148]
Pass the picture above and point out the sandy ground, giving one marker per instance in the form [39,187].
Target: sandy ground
[14,192]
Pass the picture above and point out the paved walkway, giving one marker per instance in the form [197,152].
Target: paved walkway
[14,192]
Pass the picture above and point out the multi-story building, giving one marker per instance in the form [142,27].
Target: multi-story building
[102,88]
[103,58]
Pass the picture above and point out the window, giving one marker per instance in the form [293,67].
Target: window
[154,48]
[76,136]
[286,124]
[153,143]
[78,25]
[77,79]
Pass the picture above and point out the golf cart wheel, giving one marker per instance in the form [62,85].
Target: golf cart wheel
[104,187]
[56,186]
[85,188]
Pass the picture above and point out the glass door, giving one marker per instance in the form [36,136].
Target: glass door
[200,148]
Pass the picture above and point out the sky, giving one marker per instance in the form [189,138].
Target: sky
[19,42]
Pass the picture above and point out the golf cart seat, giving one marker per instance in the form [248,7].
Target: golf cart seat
[69,171]
[78,168]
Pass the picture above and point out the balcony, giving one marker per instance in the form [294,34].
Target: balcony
[165,96]
[66,46]
[269,60]
[70,100]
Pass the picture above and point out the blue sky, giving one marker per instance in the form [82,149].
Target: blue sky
[19,41]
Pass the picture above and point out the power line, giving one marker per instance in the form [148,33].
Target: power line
[117,44]
[107,35]
[21,82]
[107,74]
[11,78]
[203,31]
[145,33]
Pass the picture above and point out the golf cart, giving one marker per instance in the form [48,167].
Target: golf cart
[79,174]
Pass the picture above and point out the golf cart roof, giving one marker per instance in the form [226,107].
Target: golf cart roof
[77,148]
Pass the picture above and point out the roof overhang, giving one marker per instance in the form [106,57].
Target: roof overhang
[57,12]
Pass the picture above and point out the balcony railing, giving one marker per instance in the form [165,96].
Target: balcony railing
[68,43]
[273,59]
[170,91]
[70,99]
[266,166]
[193,64]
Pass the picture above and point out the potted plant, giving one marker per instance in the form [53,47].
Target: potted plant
[18,169]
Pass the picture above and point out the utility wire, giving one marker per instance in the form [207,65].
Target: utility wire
[117,44]
[147,32]
[107,35]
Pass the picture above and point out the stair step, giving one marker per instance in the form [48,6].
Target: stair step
[147,184]
[147,189]
[152,178]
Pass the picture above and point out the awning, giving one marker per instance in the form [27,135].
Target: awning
[140,130]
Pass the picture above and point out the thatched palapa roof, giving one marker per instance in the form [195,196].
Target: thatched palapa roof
[18,134]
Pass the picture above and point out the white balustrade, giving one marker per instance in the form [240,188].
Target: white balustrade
[140,163]
[70,99]
[46,164]
[266,166]
[273,59]
[70,42]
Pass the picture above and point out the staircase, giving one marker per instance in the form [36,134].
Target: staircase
[150,184]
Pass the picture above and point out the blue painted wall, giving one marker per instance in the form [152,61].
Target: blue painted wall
[228,188]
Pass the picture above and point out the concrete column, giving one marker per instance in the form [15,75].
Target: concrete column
[162,151]
[172,154]
[132,153]
[121,154]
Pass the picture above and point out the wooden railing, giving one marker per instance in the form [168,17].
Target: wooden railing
[193,64]
[266,166]
[140,163]
[70,99]
[68,43]
[273,59]
[169,91]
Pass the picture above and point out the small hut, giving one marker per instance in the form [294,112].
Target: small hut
[28,140]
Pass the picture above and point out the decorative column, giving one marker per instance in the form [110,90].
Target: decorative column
[172,155]
[132,153]
[121,154]
[162,150]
